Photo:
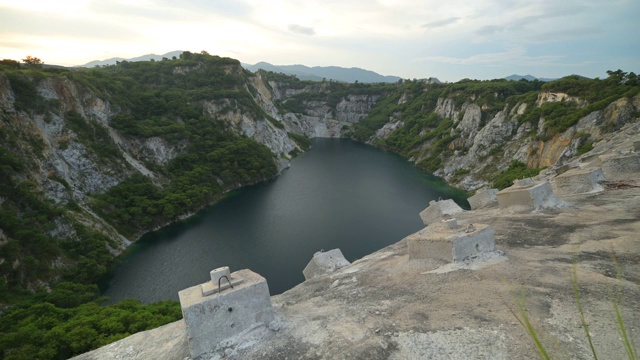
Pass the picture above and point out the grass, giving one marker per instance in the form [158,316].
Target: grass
[522,315]
[524,320]
[576,295]
[629,345]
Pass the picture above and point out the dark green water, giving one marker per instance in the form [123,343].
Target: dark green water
[340,194]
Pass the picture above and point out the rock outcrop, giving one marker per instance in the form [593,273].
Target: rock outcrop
[481,148]
[390,306]
[319,118]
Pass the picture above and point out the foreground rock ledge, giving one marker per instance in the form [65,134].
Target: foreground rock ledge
[385,306]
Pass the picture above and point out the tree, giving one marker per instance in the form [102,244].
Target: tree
[10,63]
[616,76]
[32,61]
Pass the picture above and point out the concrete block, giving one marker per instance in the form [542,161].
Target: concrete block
[216,317]
[620,167]
[442,242]
[219,273]
[566,167]
[527,182]
[578,181]
[324,263]
[483,198]
[527,194]
[438,209]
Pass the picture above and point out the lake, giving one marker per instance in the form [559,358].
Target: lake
[340,194]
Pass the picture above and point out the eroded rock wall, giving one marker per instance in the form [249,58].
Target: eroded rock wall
[485,142]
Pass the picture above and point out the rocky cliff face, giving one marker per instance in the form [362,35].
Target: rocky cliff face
[317,118]
[72,153]
[63,130]
[485,142]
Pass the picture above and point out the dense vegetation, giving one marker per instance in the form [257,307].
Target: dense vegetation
[163,99]
[172,100]
[69,321]
[426,137]
[516,170]
[559,116]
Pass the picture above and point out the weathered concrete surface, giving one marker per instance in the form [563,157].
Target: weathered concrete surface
[441,242]
[324,263]
[385,306]
[168,342]
[437,209]
[220,316]
[483,198]
[578,181]
[527,195]
[621,167]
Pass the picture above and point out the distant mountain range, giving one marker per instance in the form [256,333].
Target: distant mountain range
[515,77]
[303,72]
[319,73]
[147,57]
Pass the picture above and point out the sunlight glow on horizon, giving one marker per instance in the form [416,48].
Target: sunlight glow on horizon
[450,41]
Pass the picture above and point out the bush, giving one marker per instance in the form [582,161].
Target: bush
[303,142]
[43,330]
[516,170]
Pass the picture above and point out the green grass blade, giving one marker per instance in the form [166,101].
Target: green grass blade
[576,294]
[631,352]
[629,345]
[522,307]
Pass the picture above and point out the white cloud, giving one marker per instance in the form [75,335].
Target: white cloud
[299,29]
[451,37]
[516,55]
[441,23]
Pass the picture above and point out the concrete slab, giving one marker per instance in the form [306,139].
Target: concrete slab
[578,181]
[483,198]
[527,194]
[620,167]
[438,209]
[566,167]
[441,242]
[214,318]
[324,263]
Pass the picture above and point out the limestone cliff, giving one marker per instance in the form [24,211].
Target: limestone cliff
[474,136]
[76,141]
[125,149]
[393,304]
[323,109]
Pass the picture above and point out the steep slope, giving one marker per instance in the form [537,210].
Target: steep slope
[95,158]
[392,305]
[315,109]
[471,131]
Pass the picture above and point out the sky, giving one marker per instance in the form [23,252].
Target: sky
[447,39]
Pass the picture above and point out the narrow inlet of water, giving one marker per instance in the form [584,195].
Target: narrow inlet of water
[340,194]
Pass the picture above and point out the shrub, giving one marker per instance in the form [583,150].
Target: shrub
[516,170]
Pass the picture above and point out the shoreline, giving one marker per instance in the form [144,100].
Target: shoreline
[386,306]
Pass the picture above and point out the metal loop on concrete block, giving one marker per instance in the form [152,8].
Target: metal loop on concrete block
[470,228]
[220,279]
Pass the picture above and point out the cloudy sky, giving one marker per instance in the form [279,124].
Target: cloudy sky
[447,39]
